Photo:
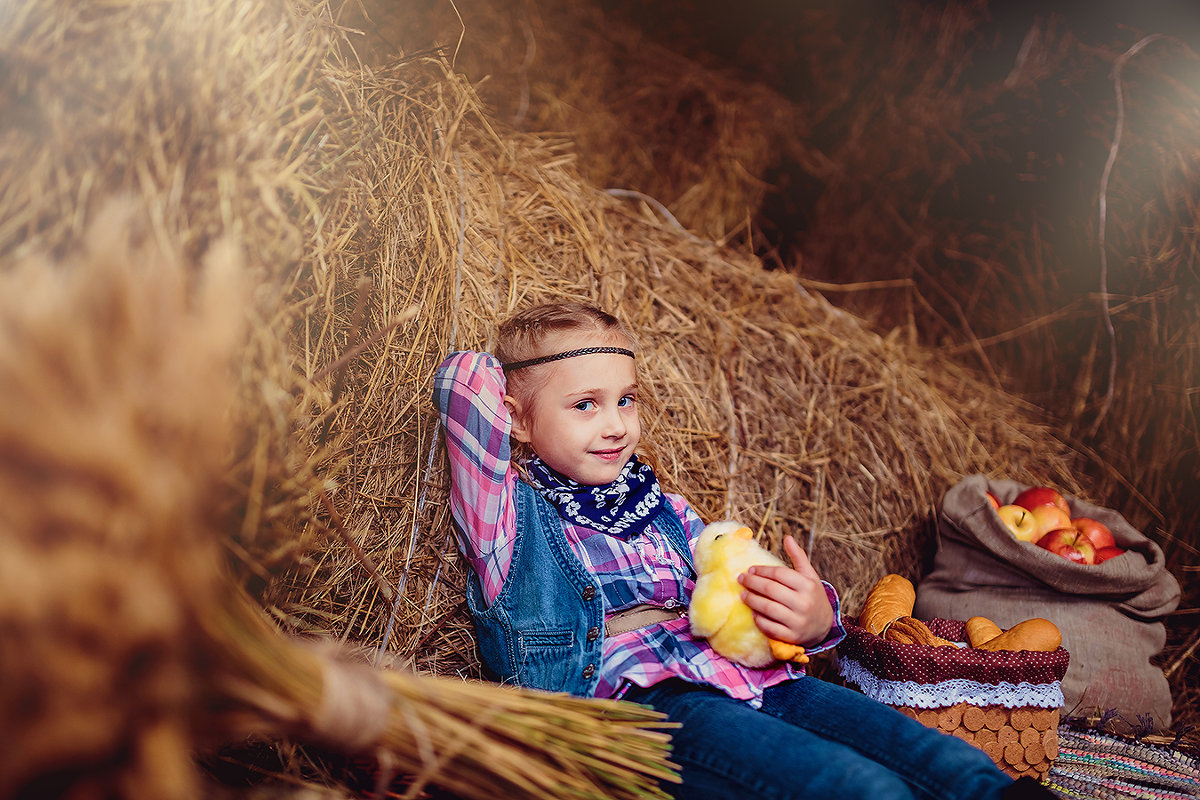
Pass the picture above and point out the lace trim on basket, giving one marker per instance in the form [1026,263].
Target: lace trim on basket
[948,693]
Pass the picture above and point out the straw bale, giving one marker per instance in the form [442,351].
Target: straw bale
[117,96]
[215,118]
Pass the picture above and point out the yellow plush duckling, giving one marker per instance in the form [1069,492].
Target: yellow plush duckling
[723,552]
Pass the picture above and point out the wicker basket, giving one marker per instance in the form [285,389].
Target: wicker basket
[1005,703]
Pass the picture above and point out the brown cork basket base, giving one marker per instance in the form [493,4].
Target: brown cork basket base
[1022,741]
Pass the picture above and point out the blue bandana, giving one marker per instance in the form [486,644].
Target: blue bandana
[621,508]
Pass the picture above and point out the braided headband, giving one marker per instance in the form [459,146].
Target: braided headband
[586,351]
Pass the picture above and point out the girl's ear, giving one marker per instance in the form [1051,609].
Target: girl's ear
[520,427]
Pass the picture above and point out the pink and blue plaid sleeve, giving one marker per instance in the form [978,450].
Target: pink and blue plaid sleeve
[836,632]
[468,390]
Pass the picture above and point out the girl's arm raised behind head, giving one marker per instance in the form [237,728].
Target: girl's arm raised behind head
[468,390]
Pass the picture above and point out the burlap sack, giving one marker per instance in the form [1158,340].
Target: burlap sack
[1110,614]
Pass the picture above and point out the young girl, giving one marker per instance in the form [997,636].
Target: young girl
[581,575]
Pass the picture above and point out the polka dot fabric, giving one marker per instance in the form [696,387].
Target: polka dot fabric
[926,664]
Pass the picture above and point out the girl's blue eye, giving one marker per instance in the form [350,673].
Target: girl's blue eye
[625,401]
[584,405]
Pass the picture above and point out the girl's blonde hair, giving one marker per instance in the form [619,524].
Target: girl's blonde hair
[526,335]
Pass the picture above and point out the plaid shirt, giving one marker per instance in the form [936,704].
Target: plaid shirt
[469,392]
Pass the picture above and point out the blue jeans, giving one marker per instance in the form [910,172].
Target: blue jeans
[812,739]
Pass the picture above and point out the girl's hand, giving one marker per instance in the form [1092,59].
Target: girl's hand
[789,605]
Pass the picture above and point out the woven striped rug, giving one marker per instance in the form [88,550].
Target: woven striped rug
[1097,765]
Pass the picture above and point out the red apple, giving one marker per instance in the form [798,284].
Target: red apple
[1036,496]
[992,499]
[1019,521]
[1105,553]
[1050,518]
[1098,532]
[1070,544]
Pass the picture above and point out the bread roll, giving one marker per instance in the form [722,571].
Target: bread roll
[890,598]
[1032,634]
[909,630]
[980,630]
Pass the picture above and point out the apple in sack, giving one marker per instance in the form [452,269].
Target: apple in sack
[1098,532]
[1036,496]
[1019,521]
[1069,543]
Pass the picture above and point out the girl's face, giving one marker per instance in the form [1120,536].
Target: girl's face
[581,415]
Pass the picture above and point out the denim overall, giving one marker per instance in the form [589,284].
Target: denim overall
[545,630]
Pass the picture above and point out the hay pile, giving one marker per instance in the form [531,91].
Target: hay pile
[946,180]
[766,402]
[951,179]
